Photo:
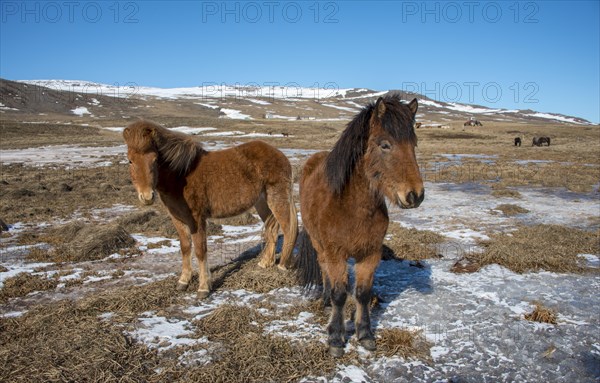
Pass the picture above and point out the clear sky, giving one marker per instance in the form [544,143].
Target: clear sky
[540,55]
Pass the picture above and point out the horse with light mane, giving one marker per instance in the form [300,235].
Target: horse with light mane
[195,184]
[344,212]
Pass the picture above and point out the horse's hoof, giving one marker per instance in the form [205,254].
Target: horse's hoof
[336,352]
[282,267]
[202,294]
[368,344]
[181,286]
[265,265]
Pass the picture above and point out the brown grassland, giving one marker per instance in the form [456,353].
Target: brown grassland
[69,210]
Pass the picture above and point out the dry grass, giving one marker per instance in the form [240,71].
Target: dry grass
[65,343]
[230,321]
[157,222]
[542,314]
[404,343]
[249,276]
[510,210]
[24,283]
[256,357]
[541,247]
[78,242]
[412,244]
[505,193]
[261,357]
[243,219]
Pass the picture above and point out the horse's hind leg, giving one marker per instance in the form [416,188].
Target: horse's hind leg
[281,202]
[199,241]
[271,228]
[364,271]
[186,253]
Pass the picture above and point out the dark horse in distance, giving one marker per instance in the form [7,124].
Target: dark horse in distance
[342,199]
[195,184]
[518,141]
[539,141]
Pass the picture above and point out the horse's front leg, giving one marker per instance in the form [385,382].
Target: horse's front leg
[186,246]
[338,278]
[365,271]
[199,241]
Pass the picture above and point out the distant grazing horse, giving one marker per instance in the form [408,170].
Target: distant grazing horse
[195,184]
[472,122]
[342,198]
[539,141]
[518,141]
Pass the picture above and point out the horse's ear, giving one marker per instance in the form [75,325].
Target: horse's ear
[126,133]
[380,107]
[148,131]
[413,106]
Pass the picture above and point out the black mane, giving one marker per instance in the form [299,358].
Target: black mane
[397,122]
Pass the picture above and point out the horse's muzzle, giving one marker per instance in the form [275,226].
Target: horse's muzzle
[412,200]
[147,198]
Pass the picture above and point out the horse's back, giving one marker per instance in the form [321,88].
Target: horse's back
[267,158]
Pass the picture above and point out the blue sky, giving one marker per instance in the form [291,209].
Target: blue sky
[540,55]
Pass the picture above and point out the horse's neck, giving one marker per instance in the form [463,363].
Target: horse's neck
[360,187]
[168,179]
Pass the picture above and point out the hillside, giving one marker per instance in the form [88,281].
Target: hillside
[96,101]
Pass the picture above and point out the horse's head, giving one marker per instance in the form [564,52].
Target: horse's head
[390,160]
[142,155]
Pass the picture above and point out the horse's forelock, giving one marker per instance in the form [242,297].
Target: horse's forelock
[175,149]
[397,120]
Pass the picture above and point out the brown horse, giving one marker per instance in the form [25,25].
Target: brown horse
[342,199]
[195,184]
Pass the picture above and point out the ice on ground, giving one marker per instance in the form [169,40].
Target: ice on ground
[224,134]
[4,107]
[211,106]
[73,156]
[117,129]
[235,114]
[192,130]
[344,108]
[164,333]
[17,267]
[259,102]
[303,327]
[352,374]
[144,242]
[592,260]
[80,111]
[465,212]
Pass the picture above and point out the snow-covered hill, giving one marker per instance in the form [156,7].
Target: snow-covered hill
[298,101]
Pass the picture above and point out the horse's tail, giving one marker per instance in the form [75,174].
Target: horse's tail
[291,234]
[307,266]
[548,138]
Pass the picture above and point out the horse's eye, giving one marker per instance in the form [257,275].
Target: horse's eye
[385,145]
[130,162]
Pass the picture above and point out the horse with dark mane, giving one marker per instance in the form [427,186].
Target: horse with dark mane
[342,198]
[539,141]
[195,184]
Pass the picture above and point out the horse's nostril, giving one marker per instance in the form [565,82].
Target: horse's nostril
[410,198]
[421,196]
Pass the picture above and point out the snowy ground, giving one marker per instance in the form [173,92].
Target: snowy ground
[474,322]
